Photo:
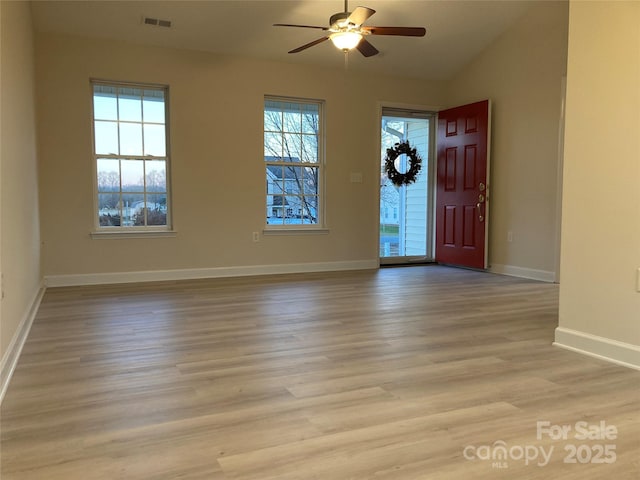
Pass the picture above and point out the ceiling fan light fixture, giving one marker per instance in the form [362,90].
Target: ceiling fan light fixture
[345,40]
[346,31]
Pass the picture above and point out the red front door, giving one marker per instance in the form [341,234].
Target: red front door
[461,190]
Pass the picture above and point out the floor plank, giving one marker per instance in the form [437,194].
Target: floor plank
[385,374]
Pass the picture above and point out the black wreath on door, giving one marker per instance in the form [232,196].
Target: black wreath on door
[415,164]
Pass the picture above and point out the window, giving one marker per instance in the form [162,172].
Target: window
[293,157]
[131,156]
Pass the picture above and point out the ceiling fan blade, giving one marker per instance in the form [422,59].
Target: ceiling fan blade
[402,31]
[366,49]
[310,44]
[299,26]
[360,15]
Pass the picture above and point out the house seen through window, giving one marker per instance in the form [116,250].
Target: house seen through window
[131,156]
[293,158]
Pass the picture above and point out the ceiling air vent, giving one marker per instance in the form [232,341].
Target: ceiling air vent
[156,22]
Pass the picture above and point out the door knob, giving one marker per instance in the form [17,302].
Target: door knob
[480,216]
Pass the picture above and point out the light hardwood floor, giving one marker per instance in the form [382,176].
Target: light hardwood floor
[386,374]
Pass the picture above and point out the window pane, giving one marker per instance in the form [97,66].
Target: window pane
[133,203]
[105,104]
[310,208]
[131,139]
[293,180]
[311,180]
[153,106]
[290,186]
[309,146]
[275,209]
[156,216]
[275,179]
[272,121]
[156,175]
[271,179]
[132,175]
[156,209]
[291,147]
[293,209]
[109,203]
[295,202]
[154,141]
[310,117]
[108,175]
[130,104]
[106,138]
[292,122]
[109,209]
[272,146]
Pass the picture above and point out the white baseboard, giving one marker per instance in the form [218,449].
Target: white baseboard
[522,272]
[613,351]
[11,355]
[198,273]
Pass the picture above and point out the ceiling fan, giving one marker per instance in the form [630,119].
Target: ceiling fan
[347,32]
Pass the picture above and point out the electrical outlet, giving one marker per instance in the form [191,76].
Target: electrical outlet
[509,236]
[256,236]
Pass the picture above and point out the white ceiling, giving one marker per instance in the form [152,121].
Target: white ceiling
[457,30]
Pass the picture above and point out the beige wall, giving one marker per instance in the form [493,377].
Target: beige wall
[217,169]
[216,104]
[216,147]
[601,199]
[20,233]
[521,72]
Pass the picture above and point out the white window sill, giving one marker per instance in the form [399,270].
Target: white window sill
[295,231]
[133,234]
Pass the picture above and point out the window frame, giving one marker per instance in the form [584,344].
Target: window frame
[121,231]
[299,228]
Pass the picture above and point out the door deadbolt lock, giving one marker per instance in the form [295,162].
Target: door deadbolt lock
[482,187]
[481,198]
